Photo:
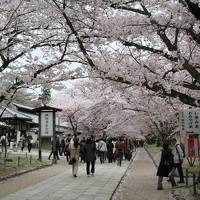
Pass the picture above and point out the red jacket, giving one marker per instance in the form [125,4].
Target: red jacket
[120,146]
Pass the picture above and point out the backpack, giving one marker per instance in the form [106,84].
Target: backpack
[183,149]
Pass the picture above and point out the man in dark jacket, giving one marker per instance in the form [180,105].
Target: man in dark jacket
[90,156]
[56,149]
[82,145]
[110,147]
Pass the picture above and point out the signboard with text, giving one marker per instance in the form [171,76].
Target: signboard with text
[46,124]
[189,121]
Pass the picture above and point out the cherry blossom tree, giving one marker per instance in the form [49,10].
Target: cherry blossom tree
[34,47]
[154,44]
[151,44]
[146,52]
[98,107]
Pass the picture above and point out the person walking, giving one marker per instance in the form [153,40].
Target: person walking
[178,160]
[110,147]
[54,152]
[74,148]
[22,142]
[29,142]
[67,152]
[119,151]
[102,149]
[90,156]
[62,146]
[3,143]
[165,166]
[82,144]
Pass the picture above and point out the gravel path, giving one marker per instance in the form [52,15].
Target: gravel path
[140,182]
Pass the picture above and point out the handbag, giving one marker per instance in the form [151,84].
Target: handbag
[72,161]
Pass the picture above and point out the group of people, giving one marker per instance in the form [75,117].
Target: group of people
[171,159]
[25,140]
[89,149]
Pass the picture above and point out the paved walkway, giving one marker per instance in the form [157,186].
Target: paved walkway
[140,182]
[64,186]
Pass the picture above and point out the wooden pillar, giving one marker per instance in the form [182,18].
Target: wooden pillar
[54,140]
[194,184]
[39,140]
[186,177]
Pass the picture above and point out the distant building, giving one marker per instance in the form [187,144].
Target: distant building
[22,120]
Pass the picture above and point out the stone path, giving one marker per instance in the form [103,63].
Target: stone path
[140,182]
[65,186]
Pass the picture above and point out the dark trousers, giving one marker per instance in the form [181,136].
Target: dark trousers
[29,147]
[67,154]
[3,147]
[88,167]
[110,156]
[119,158]
[55,155]
[180,171]
[102,156]
[62,149]
[22,147]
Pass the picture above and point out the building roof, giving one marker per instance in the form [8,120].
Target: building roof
[14,114]
[46,107]
[23,106]
[26,114]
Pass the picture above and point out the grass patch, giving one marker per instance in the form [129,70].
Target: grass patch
[153,149]
[192,169]
[16,165]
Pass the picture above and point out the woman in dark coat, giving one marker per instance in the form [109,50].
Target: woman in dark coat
[165,166]
[110,147]
[90,156]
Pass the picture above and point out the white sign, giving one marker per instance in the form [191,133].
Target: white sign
[46,124]
[189,121]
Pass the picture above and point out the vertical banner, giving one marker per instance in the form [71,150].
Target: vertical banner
[191,147]
[46,124]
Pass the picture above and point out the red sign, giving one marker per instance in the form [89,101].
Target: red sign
[191,147]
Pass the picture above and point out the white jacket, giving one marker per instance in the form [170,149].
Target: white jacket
[102,146]
[177,153]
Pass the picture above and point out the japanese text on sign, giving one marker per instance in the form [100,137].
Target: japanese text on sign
[46,124]
[189,121]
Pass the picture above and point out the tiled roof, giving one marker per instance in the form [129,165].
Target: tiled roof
[11,113]
[22,106]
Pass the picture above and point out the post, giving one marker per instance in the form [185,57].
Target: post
[4,163]
[186,177]
[6,144]
[39,140]
[54,140]
[194,184]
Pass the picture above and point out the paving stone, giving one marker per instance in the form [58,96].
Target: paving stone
[65,187]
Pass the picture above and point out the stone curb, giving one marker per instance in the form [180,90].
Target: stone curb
[24,172]
[132,159]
